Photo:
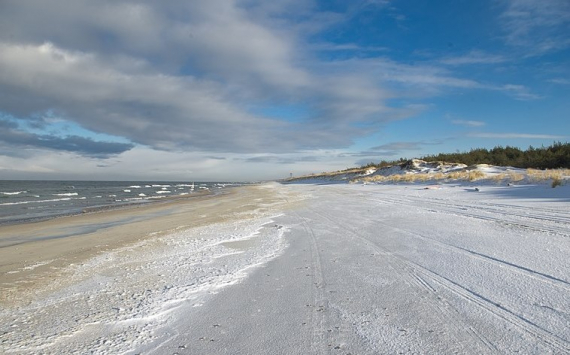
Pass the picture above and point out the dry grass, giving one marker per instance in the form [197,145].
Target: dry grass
[510,176]
[515,177]
[466,175]
[556,182]
[476,175]
[556,175]
[439,176]
[423,177]
[548,174]
[458,175]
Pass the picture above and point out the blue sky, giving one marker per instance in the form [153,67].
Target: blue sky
[252,90]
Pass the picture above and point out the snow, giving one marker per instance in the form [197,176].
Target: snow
[353,268]
[386,269]
[125,299]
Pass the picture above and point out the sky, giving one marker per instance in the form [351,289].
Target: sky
[248,90]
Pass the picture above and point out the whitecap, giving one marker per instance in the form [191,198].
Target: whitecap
[36,201]
[67,194]
[13,193]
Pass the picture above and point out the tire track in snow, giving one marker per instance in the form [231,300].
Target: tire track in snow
[494,308]
[546,212]
[451,312]
[320,304]
[408,271]
[549,279]
[505,219]
[470,296]
[540,214]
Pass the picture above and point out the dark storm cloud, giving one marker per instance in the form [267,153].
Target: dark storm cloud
[14,138]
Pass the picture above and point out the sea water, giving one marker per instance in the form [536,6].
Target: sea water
[23,201]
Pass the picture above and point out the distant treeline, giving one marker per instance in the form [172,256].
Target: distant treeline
[555,156]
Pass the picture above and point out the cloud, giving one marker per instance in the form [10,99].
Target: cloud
[519,92]
[165,112]
[397,146]
[560,81]
[398,149]
[468,123]
[515,136]
[281,159]
[325,46]
[474,57]
[146,73]
[424,75]
[15,138]
[538,26]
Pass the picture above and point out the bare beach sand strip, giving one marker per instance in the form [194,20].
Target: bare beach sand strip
[36,257]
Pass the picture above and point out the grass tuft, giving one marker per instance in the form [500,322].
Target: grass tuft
[556,182]
[476,175]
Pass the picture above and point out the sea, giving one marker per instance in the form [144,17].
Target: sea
[27,201]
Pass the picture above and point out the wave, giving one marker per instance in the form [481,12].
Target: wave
[13,193]
[67,194]
[36,201]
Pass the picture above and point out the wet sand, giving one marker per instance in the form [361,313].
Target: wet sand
[40,261]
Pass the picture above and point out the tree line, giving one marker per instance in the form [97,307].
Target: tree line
[552,157]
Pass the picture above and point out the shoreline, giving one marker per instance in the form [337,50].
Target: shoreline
[48,250]
[111,207]
[106,211]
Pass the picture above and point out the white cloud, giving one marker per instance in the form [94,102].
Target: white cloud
[519,92]
[468,123]
[516,136]
[152,109]
[474,57]
[561,81]
[142,163]
[416,80]
[324,46]
[180,76]
[537,25]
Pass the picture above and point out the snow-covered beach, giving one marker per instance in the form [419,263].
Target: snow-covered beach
[305,269]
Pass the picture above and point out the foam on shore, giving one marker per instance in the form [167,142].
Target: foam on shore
[125,299]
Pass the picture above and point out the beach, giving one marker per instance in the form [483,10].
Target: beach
[297,269]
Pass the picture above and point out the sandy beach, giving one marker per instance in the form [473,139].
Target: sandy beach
[33,255]
[297,269]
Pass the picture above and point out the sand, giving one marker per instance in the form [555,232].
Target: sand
[46,249]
